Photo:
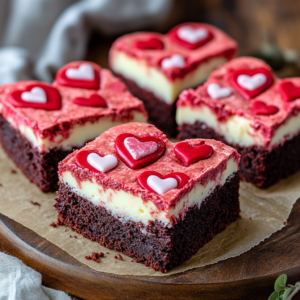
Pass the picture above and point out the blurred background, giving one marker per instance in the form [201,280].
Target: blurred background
[37,37]
[268,29]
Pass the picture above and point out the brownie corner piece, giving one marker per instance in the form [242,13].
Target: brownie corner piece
[245,106]
[42,123]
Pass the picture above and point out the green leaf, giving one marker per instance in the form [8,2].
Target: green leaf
[273,296]
[280,283]
[286,293]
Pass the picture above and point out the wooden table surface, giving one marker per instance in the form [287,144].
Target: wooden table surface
[248,276]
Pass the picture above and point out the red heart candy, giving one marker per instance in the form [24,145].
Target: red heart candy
[175,36]
[81,161]
[249,94]
[181,178]
[94,100]
[84,75]
[37,95]
[127,158]
[153,43]
[289,91]
[189,154]
[261,108]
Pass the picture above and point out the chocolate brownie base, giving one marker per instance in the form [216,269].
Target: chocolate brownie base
[160,248]
[40,168]
[161,114]
[259,166]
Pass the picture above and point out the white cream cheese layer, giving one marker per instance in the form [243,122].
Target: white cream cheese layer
[130,207]
[79,135]
[153,80]
[236,129]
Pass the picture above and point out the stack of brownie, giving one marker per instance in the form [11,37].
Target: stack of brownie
[120,181]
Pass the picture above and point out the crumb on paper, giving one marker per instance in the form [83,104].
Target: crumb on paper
[35,203]
[250,218]
[119,257]
[285,222]
[1,184]
[75,236]
[53,224]
[107,252]
[95,257]
[13,171]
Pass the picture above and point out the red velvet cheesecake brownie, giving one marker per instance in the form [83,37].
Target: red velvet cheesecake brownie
[157,67]
[40,124]
[245,106]
[134,191]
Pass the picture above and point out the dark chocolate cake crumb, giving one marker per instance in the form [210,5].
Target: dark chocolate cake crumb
[36,203]
[95,256]
[119,257]
[53,224]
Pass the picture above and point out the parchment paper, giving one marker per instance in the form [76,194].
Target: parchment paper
[263,213]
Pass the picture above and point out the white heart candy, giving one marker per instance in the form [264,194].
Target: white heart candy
[36,95]
[191,35]
[215,91]
[161,186]
[102,164]
[252,82]
[84,72]
[139,149]
[175,60]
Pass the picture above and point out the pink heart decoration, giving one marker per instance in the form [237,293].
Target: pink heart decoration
[39,95]
[261,108]
[215,91]
[191,36]
[152,43]
[159,184]
[139,149]
[189,154]
[289,91]
[79,75]
[251,82]
[94,162]
[94,100]
[175,61]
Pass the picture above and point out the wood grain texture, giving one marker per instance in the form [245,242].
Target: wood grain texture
[249,276]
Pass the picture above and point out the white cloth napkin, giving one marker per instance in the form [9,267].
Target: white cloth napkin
[19,282]
[37,37]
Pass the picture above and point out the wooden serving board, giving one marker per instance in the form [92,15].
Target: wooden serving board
[248,276]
